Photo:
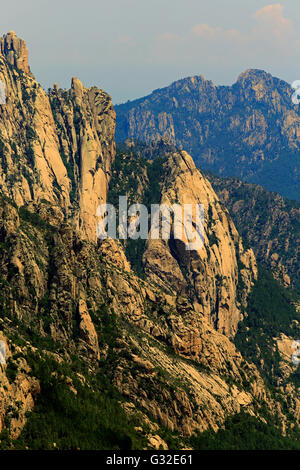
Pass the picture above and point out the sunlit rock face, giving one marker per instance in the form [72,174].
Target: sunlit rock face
[56,147]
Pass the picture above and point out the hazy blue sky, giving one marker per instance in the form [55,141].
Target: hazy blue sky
[130,47]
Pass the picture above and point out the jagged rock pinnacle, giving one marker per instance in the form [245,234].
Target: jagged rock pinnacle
[15,51]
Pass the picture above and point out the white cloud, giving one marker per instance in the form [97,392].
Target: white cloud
[271,20]
[273,15]
[272,37]
[205,31]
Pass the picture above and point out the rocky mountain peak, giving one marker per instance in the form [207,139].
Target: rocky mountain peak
[15,51]
[77,87]
[253,79]
[253,74]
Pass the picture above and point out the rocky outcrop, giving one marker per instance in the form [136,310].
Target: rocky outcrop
[17,395]
[15,51]
[87,328]
[31,165]
[57,148]
[85,123]
[211,276]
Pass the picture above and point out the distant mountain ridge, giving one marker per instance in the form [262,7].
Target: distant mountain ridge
[250,130]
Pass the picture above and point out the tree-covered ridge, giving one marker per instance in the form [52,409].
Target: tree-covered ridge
[71,415]
[269,223]
[270,311]
[245,432]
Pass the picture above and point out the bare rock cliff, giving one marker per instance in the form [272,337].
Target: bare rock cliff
[15,51]
[56,147]
[211,274]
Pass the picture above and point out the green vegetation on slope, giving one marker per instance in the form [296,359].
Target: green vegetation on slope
[267,222]
[90,418]
[270,311]
[245,432]
[77,408]
[137,173]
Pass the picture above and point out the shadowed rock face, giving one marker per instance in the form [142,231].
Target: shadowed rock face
[250,129]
